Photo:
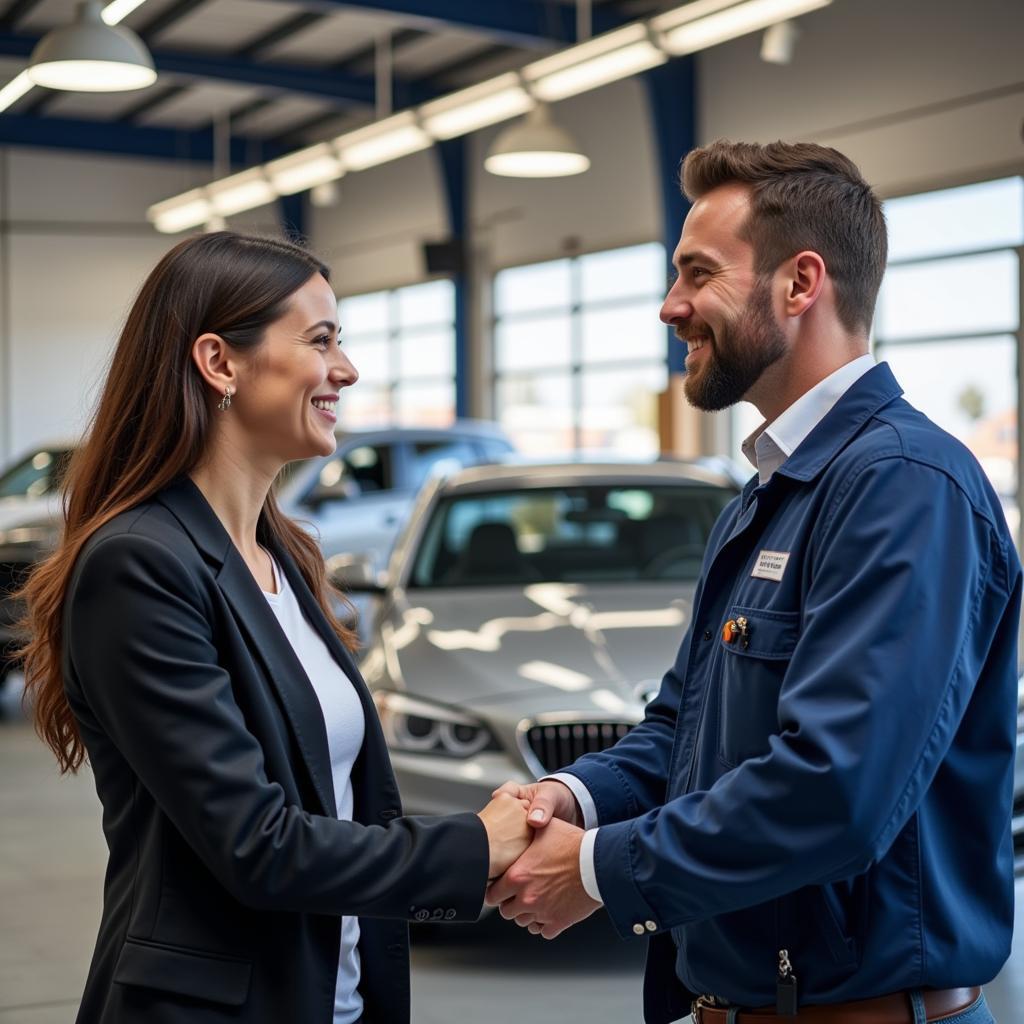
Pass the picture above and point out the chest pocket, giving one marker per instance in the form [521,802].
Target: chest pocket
[750,676]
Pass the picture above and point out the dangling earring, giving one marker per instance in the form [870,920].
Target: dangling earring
[225,402]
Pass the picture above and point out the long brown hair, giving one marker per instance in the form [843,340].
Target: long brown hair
[804,196]
[151,427]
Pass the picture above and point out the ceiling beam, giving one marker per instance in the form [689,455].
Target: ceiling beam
[343,89]
[534,24]
[16,10]
[128,140]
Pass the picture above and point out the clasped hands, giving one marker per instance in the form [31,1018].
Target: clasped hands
[534,832]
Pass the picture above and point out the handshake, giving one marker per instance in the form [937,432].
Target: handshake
[534,833]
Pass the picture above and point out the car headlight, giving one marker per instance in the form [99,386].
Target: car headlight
[418,726]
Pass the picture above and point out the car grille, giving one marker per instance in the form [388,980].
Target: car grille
[556,745]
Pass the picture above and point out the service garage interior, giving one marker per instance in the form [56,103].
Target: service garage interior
[520,303]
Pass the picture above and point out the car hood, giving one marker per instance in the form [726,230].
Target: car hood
[562,645]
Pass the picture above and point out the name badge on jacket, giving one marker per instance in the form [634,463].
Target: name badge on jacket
[771,565]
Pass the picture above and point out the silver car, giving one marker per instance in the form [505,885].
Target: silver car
[358,498]
[528,615]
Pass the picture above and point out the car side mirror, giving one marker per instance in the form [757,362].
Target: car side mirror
[354,574]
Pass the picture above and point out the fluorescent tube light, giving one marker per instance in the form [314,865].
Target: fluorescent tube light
[305,169]
[240,192]
[14,90]
[476,107]
[118,10]
[689,12]
[608,58]
[382,141]
[180,213]
[734,22]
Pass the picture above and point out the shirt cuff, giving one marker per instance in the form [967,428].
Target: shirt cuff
[583,798]
[587,873]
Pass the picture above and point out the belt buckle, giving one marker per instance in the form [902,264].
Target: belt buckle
[698,1005]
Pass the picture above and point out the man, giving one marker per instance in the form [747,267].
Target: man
[813,819]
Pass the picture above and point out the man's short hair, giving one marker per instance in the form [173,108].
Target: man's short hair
[804,196]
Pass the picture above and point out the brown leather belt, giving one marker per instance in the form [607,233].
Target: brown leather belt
[891,1009]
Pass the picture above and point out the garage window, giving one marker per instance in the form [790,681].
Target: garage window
[402,342]
[579,352]
[949,317]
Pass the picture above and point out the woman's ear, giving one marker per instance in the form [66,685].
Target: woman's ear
[214,361]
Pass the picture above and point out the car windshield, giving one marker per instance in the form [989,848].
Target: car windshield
[37,475]
[584,533]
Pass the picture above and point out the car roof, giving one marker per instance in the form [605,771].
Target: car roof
[465,427]
[555,474]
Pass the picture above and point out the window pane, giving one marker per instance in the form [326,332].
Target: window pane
[969,294]
[624,333]
[970,389]
[363,313]
[426,354]
[537,286]
[426,404]
[372,359]
[427,304]
[536,412]
[620,409]
[538,341]
[982,216]
[624,273]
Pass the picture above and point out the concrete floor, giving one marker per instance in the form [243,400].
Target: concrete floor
[51,863]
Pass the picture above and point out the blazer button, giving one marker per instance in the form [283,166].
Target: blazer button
[449,914]
[650,926]
[389,814]
[437,915]
[421,915]
[638,929]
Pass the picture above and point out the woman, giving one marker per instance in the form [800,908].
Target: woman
[260,868]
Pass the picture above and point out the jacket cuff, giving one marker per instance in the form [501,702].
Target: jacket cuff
[630,913]
[583,798]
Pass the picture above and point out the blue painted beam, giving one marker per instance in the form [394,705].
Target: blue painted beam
[672,91]
[453,155]
[528,23]
[323,83]
[127,140]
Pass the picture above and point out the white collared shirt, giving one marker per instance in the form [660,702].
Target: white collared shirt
[767,448]
[771,444]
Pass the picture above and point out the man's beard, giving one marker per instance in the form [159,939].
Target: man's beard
[740,352]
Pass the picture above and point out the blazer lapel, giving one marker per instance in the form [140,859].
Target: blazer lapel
[260,626]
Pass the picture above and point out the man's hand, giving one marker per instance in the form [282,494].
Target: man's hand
[546,799]
[543,890]
[508,835]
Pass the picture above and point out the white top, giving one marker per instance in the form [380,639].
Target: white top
[767,448]
[771,444]
[345,723]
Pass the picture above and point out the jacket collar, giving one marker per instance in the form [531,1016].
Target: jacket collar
[257,621]
[874,390]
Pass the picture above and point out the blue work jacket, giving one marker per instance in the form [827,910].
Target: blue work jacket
[836,781]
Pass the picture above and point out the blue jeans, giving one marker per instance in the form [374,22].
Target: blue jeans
[977,1013]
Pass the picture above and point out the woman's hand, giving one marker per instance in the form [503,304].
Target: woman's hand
[508,834]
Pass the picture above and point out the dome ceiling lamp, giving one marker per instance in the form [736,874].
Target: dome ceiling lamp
[90,55]
[536,147]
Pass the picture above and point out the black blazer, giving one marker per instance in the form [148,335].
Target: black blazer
[228,869]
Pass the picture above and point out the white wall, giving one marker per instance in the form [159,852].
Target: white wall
[77,248]
[919,93]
